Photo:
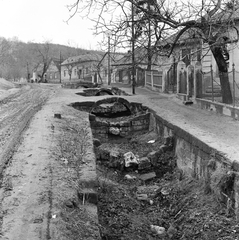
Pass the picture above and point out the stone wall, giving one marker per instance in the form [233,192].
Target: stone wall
[198,160]
[220,108]
[104,129]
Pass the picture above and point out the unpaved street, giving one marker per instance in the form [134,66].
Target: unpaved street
[39,163]
[15,113]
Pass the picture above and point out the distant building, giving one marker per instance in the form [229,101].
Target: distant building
[82,67]
[52,75]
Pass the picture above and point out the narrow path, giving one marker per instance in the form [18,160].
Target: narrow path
[26,206]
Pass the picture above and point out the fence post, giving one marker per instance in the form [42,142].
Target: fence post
[145,78]
[152,80]
[212,83]
[233,81]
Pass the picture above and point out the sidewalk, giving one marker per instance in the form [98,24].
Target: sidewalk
[218,131]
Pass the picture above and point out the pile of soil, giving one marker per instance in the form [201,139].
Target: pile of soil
[5,85]
[179,203]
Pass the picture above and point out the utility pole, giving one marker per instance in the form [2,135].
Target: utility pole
[109,70]
[133,56]
[28,74]
[60,66]
[149,41]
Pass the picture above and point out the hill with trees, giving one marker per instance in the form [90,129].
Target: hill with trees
[19,59]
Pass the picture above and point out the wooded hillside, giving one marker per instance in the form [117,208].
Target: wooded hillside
[19,59]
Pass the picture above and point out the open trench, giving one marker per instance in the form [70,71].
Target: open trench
[142,194]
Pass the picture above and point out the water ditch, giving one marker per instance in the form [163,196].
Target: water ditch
[142,193]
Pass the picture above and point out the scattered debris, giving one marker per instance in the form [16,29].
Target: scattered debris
[114,130]
[130,160]
[142,197]
[129,177]
[160,231]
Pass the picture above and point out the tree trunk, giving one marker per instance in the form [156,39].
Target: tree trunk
[223,74]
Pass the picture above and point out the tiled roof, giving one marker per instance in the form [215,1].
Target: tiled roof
[84,58]
[140,57]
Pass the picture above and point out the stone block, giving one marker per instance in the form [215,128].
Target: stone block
[130,159]
[123,134]
[144,163]
[114,130]
[147,176]
[101,130]
[136,123]
[124,124]
[125,129]
[139,127]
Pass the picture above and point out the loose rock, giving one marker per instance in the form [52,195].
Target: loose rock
[158,230]
[129,177]
[130,159]
[147,176]
[114,130]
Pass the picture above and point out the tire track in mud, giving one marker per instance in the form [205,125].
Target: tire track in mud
[18,112]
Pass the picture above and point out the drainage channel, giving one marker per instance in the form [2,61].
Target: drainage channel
[142,194]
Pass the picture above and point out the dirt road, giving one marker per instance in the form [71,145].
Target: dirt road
[39,159]
[15,113]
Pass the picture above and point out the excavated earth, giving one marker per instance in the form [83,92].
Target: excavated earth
[49,186]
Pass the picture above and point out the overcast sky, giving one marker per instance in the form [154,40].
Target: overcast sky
[45,20]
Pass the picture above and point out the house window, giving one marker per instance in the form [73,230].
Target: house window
[55,75]
[75,71]
[86,70]
[50,76]
[79,73]
[64,73]
[186,56]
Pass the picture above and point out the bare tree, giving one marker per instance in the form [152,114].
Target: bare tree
[212,21]
[44,56]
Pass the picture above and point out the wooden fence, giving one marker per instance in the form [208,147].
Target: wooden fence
[154,80]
